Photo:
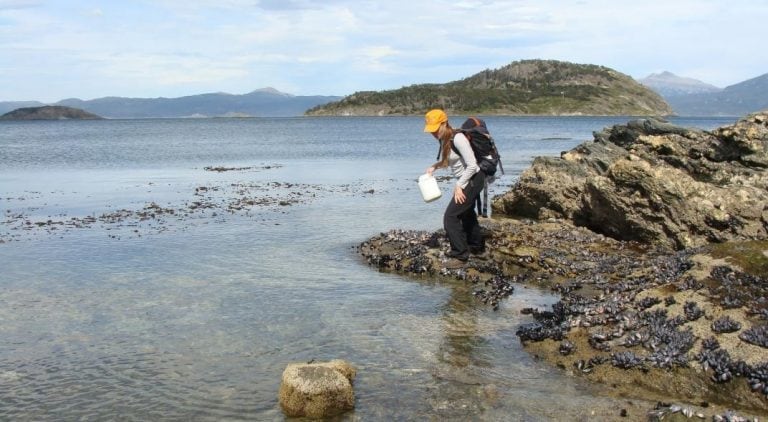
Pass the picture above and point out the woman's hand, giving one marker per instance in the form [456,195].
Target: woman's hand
[430,171]
[458,195]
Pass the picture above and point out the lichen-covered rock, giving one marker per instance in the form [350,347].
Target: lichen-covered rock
[317,390]
[654,182]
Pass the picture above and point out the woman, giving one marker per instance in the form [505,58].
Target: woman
[460,221]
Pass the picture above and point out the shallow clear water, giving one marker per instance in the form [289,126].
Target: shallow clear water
[195,315]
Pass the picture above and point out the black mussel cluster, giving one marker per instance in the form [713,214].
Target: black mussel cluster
[710,343]
[549,324]
[586,366]
[627,360]
[729,301]
[668,357]
[420,264]
[569,287]
[667,344]
[689,283]
[537,332]
[736,289]
[719,362]
[731,416]
[692,311]
[759,313]
[498,288]
[757,335]
[758,378]
[379,260]
[408,251]
[488,267]
[724,369]
[647,302]
[662,410]
[566,347]
[725,324]
[669,269]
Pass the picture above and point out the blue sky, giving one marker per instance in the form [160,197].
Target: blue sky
[51,50]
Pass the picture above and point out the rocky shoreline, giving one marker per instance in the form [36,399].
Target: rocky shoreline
[637,318]
[660,299]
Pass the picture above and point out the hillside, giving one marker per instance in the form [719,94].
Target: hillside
[537,87]
[265,102]
[668,84]
[743,98]
[49,113]
[6,106]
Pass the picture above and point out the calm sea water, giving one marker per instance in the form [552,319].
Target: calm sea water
[194,315]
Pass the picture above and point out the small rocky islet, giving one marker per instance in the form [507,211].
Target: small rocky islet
[49,113]
[655,237]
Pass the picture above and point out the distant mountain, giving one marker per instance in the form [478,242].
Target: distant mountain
[266,102]
[736,100]
[668,84]
[538,87]
[6,106]
[49,113]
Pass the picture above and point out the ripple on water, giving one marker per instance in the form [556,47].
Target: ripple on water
[144,385]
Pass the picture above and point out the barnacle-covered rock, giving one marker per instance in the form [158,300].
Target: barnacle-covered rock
[317,390]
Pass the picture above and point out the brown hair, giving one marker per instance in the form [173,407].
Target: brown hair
[445,136]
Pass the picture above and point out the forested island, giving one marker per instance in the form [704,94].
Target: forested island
[527,87]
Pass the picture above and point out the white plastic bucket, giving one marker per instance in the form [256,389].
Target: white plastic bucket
[430,191]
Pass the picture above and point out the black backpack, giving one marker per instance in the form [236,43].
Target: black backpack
[486,154]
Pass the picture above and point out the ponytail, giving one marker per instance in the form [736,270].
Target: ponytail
[445,135]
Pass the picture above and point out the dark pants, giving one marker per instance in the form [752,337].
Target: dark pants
[460,220]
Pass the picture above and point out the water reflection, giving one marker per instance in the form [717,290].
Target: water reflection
[459,347]
[461,391]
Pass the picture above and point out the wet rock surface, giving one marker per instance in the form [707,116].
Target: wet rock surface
[654,182]
[687,326]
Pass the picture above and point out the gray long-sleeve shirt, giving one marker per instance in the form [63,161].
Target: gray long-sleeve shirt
[462,165]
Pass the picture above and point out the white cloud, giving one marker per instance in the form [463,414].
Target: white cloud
[168,47]
[18,4]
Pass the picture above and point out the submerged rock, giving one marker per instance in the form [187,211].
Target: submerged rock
[655,182]
[317,390]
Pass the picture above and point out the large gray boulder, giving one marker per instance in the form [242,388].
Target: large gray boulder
[317,390]
[654,182]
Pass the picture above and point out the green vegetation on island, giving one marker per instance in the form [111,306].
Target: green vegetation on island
[49,113]
[528,87]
